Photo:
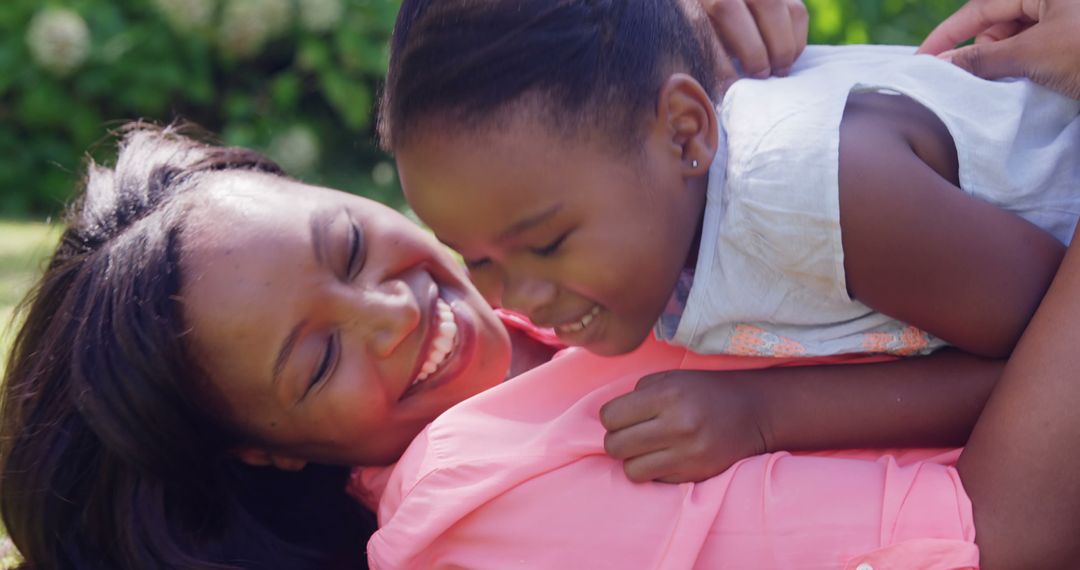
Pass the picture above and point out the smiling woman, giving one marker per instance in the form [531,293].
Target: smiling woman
[374,331]
[205,315]
[145,364]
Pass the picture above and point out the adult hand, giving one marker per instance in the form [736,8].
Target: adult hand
[1036,39]
[765,35]
[682,425]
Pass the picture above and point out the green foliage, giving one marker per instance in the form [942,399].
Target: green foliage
[295,78]
[904,22]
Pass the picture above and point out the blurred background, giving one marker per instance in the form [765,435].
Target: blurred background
[296,79]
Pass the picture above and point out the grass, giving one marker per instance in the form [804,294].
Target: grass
[23,249]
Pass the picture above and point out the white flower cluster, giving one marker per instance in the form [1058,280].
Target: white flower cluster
[321,15]
[59,40]
[246,25]
[296,149]
[188,15]
[383,174]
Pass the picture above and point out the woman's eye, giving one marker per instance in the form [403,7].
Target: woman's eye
[550,248]
[355,260]
[326,363]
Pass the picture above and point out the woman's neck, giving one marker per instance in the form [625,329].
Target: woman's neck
[526,352]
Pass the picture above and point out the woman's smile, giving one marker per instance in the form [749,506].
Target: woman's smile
[442,335]
[448,335]
[370,325]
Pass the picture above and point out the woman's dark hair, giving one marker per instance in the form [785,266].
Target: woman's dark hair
[580,63]
[112,455]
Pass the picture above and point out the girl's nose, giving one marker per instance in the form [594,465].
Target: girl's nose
[490,285]
[528,295]
[393,313]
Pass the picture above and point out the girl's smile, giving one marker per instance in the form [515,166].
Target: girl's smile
[577,235]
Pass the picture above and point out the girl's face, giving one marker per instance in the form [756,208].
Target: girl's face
[580,239]
[332,327]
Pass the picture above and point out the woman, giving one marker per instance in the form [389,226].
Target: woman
[203,311]
[113,456]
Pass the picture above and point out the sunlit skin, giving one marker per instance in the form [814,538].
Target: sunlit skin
[564,227]
[353,284]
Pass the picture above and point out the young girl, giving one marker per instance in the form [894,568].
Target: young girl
[871,202]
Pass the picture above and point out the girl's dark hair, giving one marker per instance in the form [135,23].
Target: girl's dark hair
[111,454]
[581,63]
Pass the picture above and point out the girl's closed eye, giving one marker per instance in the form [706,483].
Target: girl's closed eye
[552,247]
[475,264]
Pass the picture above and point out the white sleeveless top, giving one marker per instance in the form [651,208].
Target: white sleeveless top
[770,273]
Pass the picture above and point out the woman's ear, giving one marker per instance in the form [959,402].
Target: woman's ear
[262,458]
[686,118]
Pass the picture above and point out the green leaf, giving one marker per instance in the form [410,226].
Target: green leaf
[46,105]
[351,98]
[285,90]
[314,54]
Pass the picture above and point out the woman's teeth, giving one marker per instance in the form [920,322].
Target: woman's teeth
[580,325]
[442,343]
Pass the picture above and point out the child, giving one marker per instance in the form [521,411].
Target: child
[866,203]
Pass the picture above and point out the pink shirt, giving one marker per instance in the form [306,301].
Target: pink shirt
[517,477]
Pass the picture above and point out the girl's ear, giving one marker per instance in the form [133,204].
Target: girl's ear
[263,458]
[686,118]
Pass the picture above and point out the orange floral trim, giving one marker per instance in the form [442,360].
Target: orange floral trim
[749,340]
[907,342]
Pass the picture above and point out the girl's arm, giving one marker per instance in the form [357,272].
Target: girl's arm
[931,401]
[688,425]
[921,250]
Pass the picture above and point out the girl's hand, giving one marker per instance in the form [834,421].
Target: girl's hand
[683,425]
[688,425]
[1036,39]
[765,35]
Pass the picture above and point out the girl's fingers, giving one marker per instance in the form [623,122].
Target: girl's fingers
[627,410]
[636,441]
[660,465]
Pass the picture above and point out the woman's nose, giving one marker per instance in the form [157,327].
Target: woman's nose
[528,295]
[393,314]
